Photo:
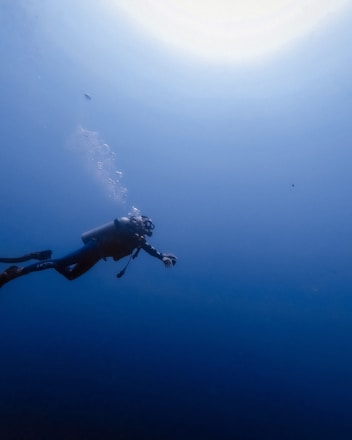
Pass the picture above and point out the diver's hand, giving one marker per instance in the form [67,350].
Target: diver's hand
[169,260]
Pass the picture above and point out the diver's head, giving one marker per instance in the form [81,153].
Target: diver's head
[142,225]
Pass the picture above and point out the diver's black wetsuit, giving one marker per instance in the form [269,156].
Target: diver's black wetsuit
[86,257]
[122,238]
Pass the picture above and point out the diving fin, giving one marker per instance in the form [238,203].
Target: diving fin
[41,255]
[9,274]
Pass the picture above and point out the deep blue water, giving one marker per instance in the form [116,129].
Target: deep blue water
[249,336]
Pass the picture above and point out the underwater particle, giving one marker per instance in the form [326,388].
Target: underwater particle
[88,96]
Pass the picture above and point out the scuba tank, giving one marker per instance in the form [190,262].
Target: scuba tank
[106,230]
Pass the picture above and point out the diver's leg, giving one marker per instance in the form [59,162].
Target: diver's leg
[14,271]
[78,269]
[84,259]
[76,264]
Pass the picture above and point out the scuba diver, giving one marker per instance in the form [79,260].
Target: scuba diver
[120,238]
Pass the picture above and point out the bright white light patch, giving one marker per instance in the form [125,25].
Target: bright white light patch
[228,30]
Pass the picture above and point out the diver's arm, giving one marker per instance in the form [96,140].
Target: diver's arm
[152,251]
[168,259]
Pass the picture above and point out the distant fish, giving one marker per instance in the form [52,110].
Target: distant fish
[88,96]
[293,185]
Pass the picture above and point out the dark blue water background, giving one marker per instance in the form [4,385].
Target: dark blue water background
[249,336]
